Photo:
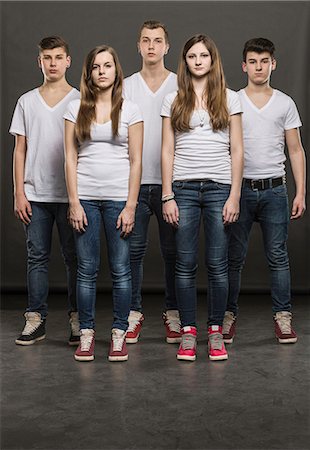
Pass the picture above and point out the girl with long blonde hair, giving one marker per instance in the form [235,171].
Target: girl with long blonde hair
[202,163]
[103,143]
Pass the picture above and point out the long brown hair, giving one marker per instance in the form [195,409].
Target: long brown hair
[215,89]
[89,93]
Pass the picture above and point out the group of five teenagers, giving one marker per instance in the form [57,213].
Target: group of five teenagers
[40,195]
[270,120]
[103,144]
[147,89]
[202,163]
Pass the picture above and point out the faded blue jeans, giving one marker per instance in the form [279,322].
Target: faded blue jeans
[104,212]
[196,200]
[270,209]
[39,239]
[150,203]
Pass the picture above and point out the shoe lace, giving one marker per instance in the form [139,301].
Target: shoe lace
[216,341]
[132,324]
[284,322]
[227,323]
[174,324]
[86,341]
[188,341]
[30,326]
[118,341]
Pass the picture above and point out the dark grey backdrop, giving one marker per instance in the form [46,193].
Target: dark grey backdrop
[87,24]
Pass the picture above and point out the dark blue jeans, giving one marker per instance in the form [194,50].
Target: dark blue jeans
[270,209]
[150,203]
[196,200]
[39,238]
[103,212]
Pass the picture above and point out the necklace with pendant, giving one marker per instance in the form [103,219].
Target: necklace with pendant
[201,118]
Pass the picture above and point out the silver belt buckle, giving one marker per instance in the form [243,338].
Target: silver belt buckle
[252,185]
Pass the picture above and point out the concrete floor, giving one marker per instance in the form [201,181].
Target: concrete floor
[257,399]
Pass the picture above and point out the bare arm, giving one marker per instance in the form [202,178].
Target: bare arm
[22,207]
[298,164]
[170,208]
[126,219]
[231,207]
[76,213]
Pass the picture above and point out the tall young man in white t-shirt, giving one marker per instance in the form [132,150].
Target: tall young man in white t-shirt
[148,88]
[270,120]
[40,195]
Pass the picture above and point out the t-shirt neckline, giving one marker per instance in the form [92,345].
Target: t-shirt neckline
[53,108]
[267,105]
[154,94]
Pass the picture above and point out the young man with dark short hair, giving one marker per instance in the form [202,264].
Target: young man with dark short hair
[40,195]
[147,89]
[270,120]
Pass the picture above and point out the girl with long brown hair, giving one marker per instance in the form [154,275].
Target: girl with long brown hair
[202,161]
[103,142]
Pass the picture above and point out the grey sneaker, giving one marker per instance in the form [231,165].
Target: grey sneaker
[229,327]
[74,338]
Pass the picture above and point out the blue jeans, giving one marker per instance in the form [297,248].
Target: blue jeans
[150,203]
[88,254]
[39,239]
[205,199]
[270,209]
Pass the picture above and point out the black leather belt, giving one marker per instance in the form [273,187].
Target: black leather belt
[265,183]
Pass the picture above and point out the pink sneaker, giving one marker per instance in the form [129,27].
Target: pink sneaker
[86,348]
[135,320]
[118,350]
[187,348]
[283,328]
[229,327]
[216,346]
[173,326]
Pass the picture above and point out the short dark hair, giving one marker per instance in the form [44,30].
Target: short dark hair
[258,45]
[50,42]
[152,25]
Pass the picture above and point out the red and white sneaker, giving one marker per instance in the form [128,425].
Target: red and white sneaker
[283,328]
[229,327]
[187,348]
[172,323]
[118,350]
[135,320]
[216,346]
[86,348]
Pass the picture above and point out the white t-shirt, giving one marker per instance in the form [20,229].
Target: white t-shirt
[149,102]
[103,161]
[202,153]
[264,134]
[44,179]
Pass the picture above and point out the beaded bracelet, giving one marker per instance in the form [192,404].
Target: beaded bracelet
[166,198]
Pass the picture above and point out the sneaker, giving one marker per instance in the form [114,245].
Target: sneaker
[216,346]
[283,328]
[135,320]
[86,348]
[33,331]
[187,348]
[118,350]
[173,326]
[229,327]
[74,338]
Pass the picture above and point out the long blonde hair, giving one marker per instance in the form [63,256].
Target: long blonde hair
[215,89]
[89,93]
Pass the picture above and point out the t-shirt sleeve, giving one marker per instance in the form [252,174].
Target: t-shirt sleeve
[72,111]
[166,105]
[18,121]
[234,104]
[135,115]
[292,119]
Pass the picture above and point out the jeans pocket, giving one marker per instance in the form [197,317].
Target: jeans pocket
[177,185]
[280,191]
[223,186]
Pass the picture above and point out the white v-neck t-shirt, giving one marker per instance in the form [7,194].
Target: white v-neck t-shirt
[264,134]
[103,166]
[149,102]
[43,127]
[202,153]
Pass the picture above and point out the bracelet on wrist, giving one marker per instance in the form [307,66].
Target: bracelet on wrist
[167,200]
[167,197]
